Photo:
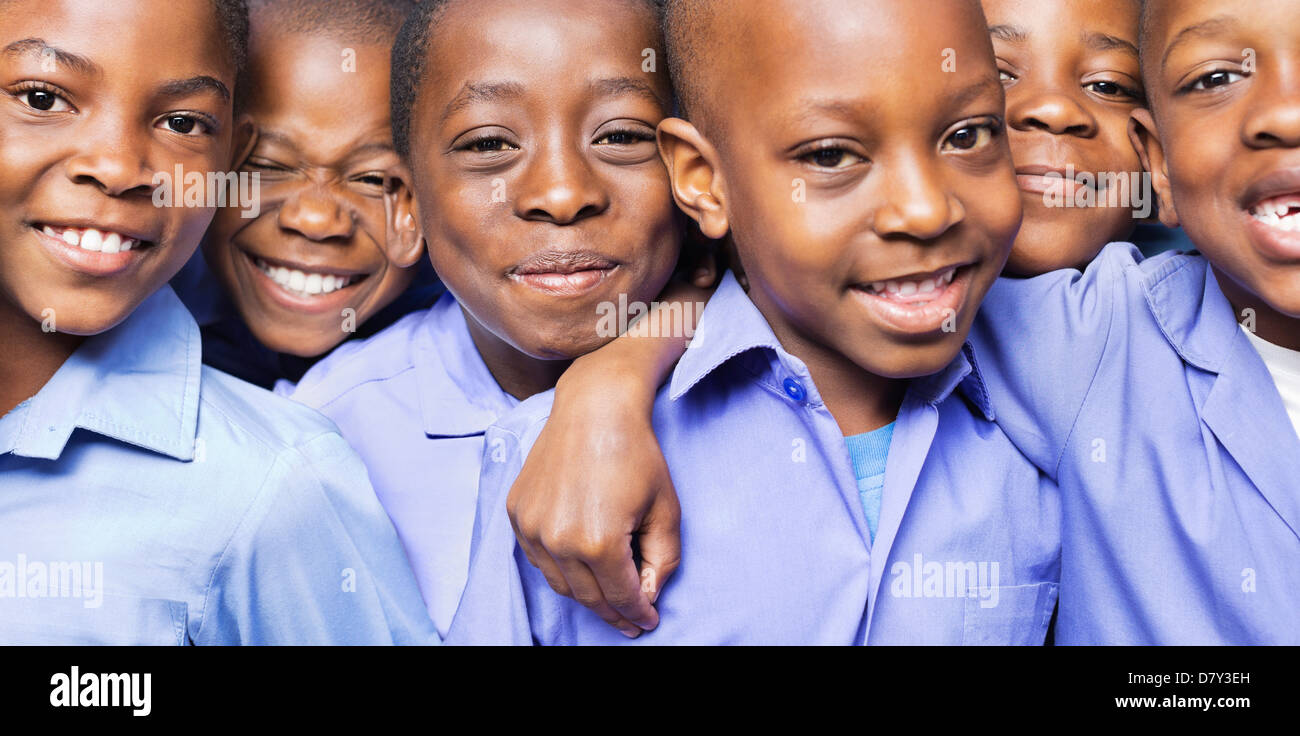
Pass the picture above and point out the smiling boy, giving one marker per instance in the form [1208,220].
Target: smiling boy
[1174,431]
[216,512]
[315,267]
[529,132]
[830,437]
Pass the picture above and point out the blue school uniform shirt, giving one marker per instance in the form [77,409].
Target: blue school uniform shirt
[415,402]
[1133,386]
[146,499]
[775,544]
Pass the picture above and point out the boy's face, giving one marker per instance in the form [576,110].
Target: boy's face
[864,175]
[318,245]
[1070,68]
[540,189]
[94,99]
[1224,146]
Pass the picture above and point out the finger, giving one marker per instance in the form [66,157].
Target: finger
[661,543]
[538,558]
[621,587]
[587,592]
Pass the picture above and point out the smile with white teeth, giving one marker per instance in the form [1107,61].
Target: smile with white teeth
[95,241]
[303,283]
[1282,213]
[913,291]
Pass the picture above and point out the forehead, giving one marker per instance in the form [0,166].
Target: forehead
[542,42]
[1172,22]
[1065,19]
[882,58]
[126,39]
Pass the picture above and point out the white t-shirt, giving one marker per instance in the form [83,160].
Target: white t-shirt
[1284,366]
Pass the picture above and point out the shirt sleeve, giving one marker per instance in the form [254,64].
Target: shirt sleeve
[315,561]
[494,610]
[1040,343]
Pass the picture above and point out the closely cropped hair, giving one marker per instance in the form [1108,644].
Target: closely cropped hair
[411,59]
[375,20]
[232,22]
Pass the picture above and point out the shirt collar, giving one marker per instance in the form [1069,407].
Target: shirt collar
[1194,315]
[731,326]
[137,383]
[458,395]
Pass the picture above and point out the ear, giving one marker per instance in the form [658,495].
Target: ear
[1142,132]
[694,176]
[244,141]
[405,237]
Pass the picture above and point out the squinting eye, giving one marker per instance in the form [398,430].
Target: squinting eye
[490,145]
[1006,76]
[970,137]
[623,138]
[1214,79]
[832,158]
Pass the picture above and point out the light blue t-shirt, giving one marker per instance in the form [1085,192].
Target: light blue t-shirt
[868,452]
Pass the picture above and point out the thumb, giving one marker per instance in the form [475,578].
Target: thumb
[660,543]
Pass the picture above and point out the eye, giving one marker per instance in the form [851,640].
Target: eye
[490,145]
[186,125]
[1111,89]
[624,138]
[1006,76]
[1214,80]
[43,99]
[971,137]
[832,157]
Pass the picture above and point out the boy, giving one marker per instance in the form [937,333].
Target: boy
[314,267]
[1172,427]
[145,499]
[847,349]
[529,133]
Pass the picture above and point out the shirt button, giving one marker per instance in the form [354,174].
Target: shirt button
[794,390]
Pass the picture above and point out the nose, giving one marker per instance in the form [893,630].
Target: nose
[560,187]
[116,162]
[917,204]
[1273,119]
[1030,110]
[316,214]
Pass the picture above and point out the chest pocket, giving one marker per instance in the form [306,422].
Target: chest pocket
[1015,615]
[116,621]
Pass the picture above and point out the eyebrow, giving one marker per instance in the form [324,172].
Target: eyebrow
[1009,33]
[38,47]
[482,92]
[1212,27]
[813,107]
[194,85]
[618,86]
[1106,42]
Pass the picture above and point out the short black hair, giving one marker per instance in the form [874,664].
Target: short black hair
[411,60]
[350,20]
[232,23]
[687,31]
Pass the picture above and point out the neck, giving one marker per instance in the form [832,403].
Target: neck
[31,356]
[1270,324]
[859,400]
[517,373]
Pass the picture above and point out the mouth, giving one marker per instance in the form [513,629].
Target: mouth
[1272,206]
[919,303]
[563,273]
[301,287]
[97,250]
[1056,180]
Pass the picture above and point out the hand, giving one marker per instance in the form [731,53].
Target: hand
[595,479]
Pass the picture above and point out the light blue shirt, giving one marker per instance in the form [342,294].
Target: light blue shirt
[415,401]
[775,543]
[146,499]
[1134,387]
[869,454]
